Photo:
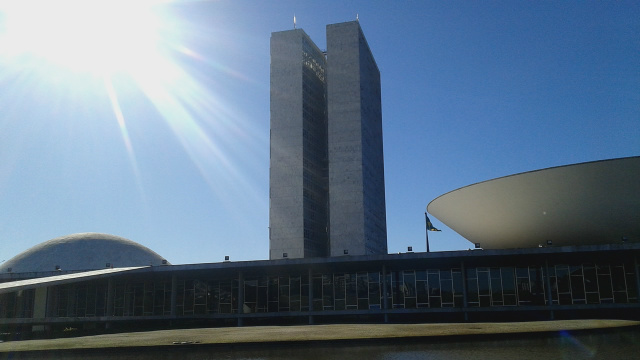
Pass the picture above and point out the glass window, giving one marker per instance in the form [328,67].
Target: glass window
[327,292]
[422,292]
[304,293]
[577,285]
[537,285]
[397,288]
[508,281]
[618,279]
[590,278]
[363,286]
[472,292]
[435,299]
[262,294]
[351,290]
[283,295]
[632,288]
[619,285]
[409,288]
[604,283]
[339,287]
[214,298]
[446,288]
[562,278]
[225,297]
[483,283]
[374,290]
[317,292]
[496,287]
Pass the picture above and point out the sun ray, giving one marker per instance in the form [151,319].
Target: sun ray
[117,112]
[103,39]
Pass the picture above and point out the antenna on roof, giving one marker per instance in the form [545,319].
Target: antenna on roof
[294,20]
[357,17]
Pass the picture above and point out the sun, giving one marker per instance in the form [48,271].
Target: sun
[95,36]
[114,46]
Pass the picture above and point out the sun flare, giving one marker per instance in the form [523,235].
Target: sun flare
[63,46]
[86,36]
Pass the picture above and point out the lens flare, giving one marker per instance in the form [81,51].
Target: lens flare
[140,40]
[576,345]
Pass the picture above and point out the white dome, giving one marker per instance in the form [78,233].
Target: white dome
[595,202]
[84,251]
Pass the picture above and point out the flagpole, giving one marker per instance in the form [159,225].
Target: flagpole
[426,229]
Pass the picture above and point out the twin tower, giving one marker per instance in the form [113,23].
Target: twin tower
[327,194]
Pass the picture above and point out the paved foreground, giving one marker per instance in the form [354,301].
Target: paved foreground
[274,334]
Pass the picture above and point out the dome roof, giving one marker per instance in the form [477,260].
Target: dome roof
[84,251]
[588,203]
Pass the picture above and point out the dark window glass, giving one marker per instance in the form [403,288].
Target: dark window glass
[590,278]
[508,281]
[422,292]
[472,290]
[434,284]
[604,284]
[618,279]
[409,288]
[483,283]
[351,290]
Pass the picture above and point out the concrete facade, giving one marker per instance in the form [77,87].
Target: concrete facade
[596,202]
[356,164]
[298,192]
[327,194]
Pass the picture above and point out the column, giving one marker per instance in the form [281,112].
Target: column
[310,274]
[637,272]
[174,294]
[465,303]
[109,310]
[547,278]
[385,289]
[39,307]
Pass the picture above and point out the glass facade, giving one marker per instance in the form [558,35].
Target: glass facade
[18,304]
[141,298]
[432,288]
[593,284]
[299,293]
[79,300]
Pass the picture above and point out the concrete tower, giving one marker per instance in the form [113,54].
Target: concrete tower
[327,194]
[298,177]
[356,165]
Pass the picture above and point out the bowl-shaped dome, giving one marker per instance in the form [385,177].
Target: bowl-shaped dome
[589,203]
[84,251]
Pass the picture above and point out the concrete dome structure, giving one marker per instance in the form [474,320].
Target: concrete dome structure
[83,251]
[580,204]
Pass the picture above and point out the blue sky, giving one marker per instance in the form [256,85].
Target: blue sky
[176,156]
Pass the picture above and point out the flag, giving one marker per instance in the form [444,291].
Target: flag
[429,224]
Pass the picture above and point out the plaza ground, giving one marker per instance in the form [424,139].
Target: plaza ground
[307,333]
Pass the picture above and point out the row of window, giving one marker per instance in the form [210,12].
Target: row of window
[407,289]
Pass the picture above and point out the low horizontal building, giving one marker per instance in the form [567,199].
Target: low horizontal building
[542,283]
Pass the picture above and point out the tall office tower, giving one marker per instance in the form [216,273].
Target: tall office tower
[356,165]
[298,191]
[326,192]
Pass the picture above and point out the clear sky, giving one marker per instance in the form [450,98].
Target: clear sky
[155,126]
